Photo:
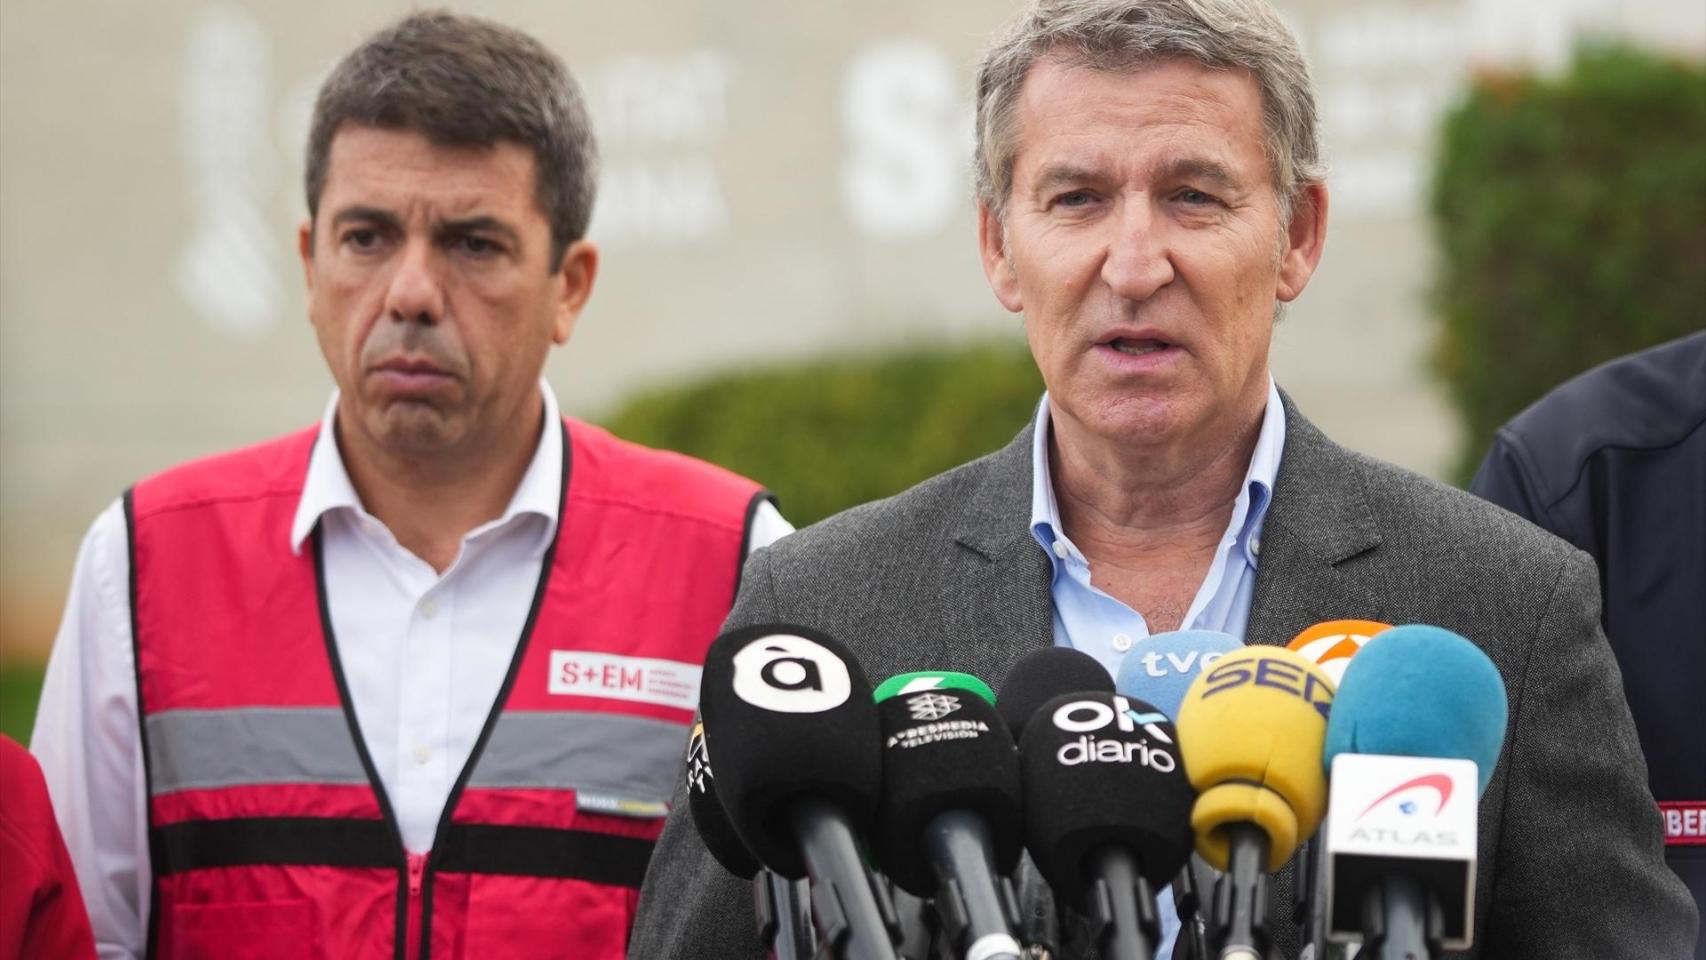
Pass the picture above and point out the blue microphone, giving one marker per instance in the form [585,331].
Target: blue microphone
[1421,691]
[1413,738]
[1160,669]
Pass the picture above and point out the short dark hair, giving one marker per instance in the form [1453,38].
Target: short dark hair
[465,81]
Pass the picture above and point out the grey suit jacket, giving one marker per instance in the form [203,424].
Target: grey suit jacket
[947,576]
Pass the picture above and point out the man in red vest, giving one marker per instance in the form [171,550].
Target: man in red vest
[414,682]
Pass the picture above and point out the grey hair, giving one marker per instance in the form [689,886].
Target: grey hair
[1116,35]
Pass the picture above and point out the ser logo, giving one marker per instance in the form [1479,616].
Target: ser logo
[789,674]
[1261,671]
[1088,716]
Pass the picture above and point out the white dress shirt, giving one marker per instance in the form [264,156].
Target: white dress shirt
[424,655]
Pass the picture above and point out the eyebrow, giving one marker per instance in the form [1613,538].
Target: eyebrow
[360,214]
[1057,175]
[446,228]
[1214,172]
[480,224]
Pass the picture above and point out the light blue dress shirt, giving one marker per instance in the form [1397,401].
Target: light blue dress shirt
[1095,623]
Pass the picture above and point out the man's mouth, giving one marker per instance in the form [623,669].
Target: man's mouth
[1137,348]
[411,366]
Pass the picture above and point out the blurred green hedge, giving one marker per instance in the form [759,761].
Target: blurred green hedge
[830,434]
[1570,228]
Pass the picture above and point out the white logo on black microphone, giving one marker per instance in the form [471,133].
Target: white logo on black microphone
[698,759]
[932,706]
[789,674]
[1089,716]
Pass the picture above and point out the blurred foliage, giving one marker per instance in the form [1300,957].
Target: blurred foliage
[830,434]
[20,687]
[1570,227]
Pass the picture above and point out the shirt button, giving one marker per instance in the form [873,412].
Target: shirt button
[429,608]
[1060,549]
[423,754]
[1122,642]
[1255,546]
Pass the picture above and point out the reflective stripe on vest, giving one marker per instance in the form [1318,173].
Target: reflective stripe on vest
[254,766]
[604,754]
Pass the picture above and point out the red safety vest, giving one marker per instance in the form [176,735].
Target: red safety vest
[269,832]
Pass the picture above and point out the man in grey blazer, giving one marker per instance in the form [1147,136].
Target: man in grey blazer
[1150,193]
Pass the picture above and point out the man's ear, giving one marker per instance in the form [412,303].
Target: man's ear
[305,250]
[992,246]
[1306,238]
[575,277]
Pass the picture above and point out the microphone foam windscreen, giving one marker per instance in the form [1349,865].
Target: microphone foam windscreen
[1161,668]
[1250,729]
[791,715]
[708,814]
[1331,644]
[932,680]
[944,749]
[1421,691]
[1042,675]
[1099,768]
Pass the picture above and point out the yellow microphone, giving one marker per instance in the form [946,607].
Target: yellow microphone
[1251,731]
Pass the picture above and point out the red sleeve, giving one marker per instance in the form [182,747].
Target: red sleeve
[41,910]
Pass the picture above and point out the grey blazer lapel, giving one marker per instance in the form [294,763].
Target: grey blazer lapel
[1315,540]
[1319,543]
[1000,566]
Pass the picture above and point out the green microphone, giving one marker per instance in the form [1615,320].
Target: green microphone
[921,680]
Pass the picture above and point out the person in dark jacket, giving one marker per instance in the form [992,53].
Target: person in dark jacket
[1614,461]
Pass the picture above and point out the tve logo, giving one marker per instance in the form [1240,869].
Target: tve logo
[1156,664]
[790,674]
[581,673]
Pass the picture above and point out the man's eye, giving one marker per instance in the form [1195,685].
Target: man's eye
[362,238]
[476,245]
[1073,198]
[1196,197]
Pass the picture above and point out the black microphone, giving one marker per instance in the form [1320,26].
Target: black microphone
[799,771]
[778,904]
[1107,812]
[949,823]
[1042,675]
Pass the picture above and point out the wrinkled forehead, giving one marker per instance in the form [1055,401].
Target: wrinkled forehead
[1068,107]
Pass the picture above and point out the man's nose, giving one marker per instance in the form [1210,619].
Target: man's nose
[416,293]
[1138,262]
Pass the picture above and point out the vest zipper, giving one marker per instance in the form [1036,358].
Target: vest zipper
[414,945]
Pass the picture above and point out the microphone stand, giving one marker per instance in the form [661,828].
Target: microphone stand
[978,914]
[1401,920]
[1190,905]
[783,927]
[852,923]
[1241,896]
[1122,906]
